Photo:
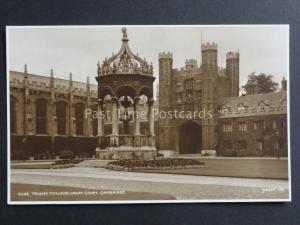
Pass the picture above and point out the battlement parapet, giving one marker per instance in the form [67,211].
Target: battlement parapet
[232,55]
[191,62]
[209,46]
[165,55]
[15,81]
[37,84]
[222,71]
[61,87]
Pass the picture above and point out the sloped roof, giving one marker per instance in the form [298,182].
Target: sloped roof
[273,103]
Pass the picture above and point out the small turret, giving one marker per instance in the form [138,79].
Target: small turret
[25,68]
[252,87]
[165,55]
[233,55]
[165,67]
[52,86]
[88,89]
[70,83]
[232,72]
[190,64]
[209,55]
[26,85]
[209,46]
[284,84]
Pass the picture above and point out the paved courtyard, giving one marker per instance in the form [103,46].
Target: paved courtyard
[182,187]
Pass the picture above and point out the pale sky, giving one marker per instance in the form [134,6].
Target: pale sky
[263,49]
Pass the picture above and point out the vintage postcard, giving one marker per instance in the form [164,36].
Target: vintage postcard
[148,114]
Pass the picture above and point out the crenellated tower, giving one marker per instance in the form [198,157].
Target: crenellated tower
[232,73]
[210,72]
[209,53]
[165,99]
[190,64]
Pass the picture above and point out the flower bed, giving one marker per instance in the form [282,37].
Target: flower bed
[154,164]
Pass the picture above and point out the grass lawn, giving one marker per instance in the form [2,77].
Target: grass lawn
[249,168]
[33,192]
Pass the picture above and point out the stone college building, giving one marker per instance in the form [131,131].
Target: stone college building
[47,114]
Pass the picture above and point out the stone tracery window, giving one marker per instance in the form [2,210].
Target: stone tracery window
[189,84]
[41,116]
[79,118]
[13,115]
[61,112]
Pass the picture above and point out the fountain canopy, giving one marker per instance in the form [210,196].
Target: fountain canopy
[125,74]
[125,77]
[125,62]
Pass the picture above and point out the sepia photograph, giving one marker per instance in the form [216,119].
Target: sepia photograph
[148,114]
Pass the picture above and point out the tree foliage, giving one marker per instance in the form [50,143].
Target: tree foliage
[264,82]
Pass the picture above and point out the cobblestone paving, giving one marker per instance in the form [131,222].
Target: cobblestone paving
[183,187]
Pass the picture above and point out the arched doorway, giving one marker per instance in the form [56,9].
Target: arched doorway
[190,138]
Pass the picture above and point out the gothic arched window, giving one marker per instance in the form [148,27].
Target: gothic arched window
[13,116]
[79,111]
[41,116]
[61,112]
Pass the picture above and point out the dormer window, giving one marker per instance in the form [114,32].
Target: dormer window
[225,110]
[242,107]
[263,106]
[283,104]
